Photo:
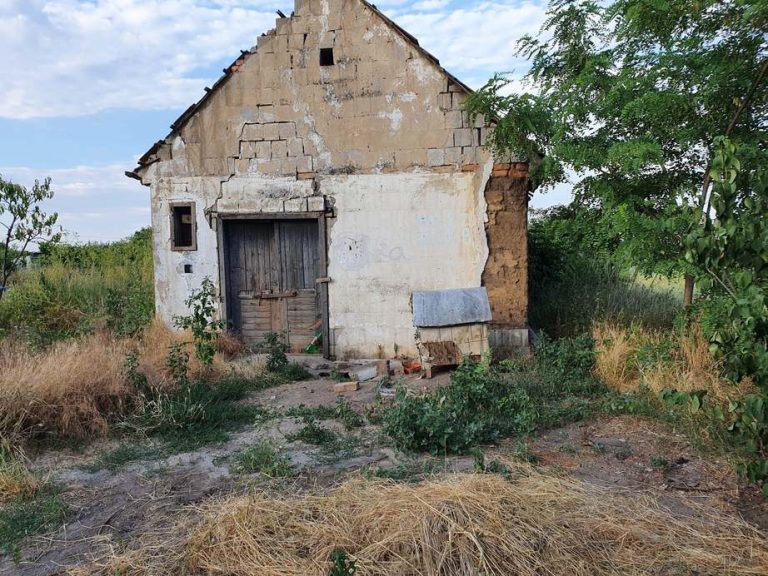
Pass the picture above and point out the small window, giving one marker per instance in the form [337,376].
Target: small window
[326,56]
[183,231]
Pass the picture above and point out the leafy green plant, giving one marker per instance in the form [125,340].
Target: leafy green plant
[276,348]
[342,564]
[205,328]
[749,427]
[265,458]
[345,414]
[24,517]
[478,406]
[312,433]
[659,462]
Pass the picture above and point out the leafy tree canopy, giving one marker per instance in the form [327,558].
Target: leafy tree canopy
[23,222]
[630,95]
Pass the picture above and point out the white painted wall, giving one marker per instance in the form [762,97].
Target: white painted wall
[392,234]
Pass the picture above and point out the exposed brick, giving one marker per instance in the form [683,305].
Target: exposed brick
[271,131]
[346,386]
[287,165]
[287,130]
[253,132]
[305,176]
[452,155]
[263,150]
[295,147]
[316,203]
[295,205]
[444,101]
[453,119]
[435,157]
[444,169]
[470,167]
[304,163]
[279,149]
[462,137]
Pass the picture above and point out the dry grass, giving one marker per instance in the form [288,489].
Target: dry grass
[68,389]
[16,481]
[75,388]
[536,524]
[687,364]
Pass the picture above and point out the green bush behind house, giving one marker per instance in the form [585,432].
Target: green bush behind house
[77,289]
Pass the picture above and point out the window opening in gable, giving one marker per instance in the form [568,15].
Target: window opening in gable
[326,56]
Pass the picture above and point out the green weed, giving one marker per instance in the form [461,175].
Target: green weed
[264,458]
[121,456]
[23,517]
[479,406]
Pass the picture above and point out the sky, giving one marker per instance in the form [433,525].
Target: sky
[88,85]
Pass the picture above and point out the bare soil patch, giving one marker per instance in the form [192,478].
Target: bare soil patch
[122,512]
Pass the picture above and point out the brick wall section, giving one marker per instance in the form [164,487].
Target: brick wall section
[382,107]
[506,271]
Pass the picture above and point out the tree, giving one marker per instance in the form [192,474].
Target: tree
[24,223]
[631,95]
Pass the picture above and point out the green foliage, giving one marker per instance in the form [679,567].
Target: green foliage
[121,456]
[342,564]
[196,413]
[276,348]
[81,288]
[263,458]
[479,406]
[575,279]
[205,328]
[749,428]
[24,517]
[23,222]
[630,95]
[345,414]
[732,250]
[312,433]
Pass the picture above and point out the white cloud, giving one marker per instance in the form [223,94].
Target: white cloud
[475,40]
[76,57]
[70,58]
[100,203]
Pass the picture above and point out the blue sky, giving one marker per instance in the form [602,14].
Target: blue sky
[89,85]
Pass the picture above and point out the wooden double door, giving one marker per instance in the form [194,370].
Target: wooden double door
[272,272]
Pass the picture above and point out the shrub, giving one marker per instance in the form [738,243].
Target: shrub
[276,348]
[81,289]
[478,406]
[201,321]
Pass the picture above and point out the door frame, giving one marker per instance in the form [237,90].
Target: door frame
[322,245]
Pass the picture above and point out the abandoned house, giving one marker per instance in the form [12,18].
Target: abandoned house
[333,189]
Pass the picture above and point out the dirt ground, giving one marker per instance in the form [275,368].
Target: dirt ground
[113,508]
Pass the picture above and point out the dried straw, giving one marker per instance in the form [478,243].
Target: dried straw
[534,524]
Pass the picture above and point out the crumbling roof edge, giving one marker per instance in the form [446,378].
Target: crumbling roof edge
[181,121]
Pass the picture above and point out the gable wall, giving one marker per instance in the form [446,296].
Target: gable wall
[379,138]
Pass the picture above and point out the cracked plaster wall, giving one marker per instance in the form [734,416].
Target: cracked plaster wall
[380,137]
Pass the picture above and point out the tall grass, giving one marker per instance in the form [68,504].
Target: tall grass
[573,284]
[628,359]
[583,292]
[78,387]
[81,290]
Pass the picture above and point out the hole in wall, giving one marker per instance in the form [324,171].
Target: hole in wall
[187,268]
[326,56]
